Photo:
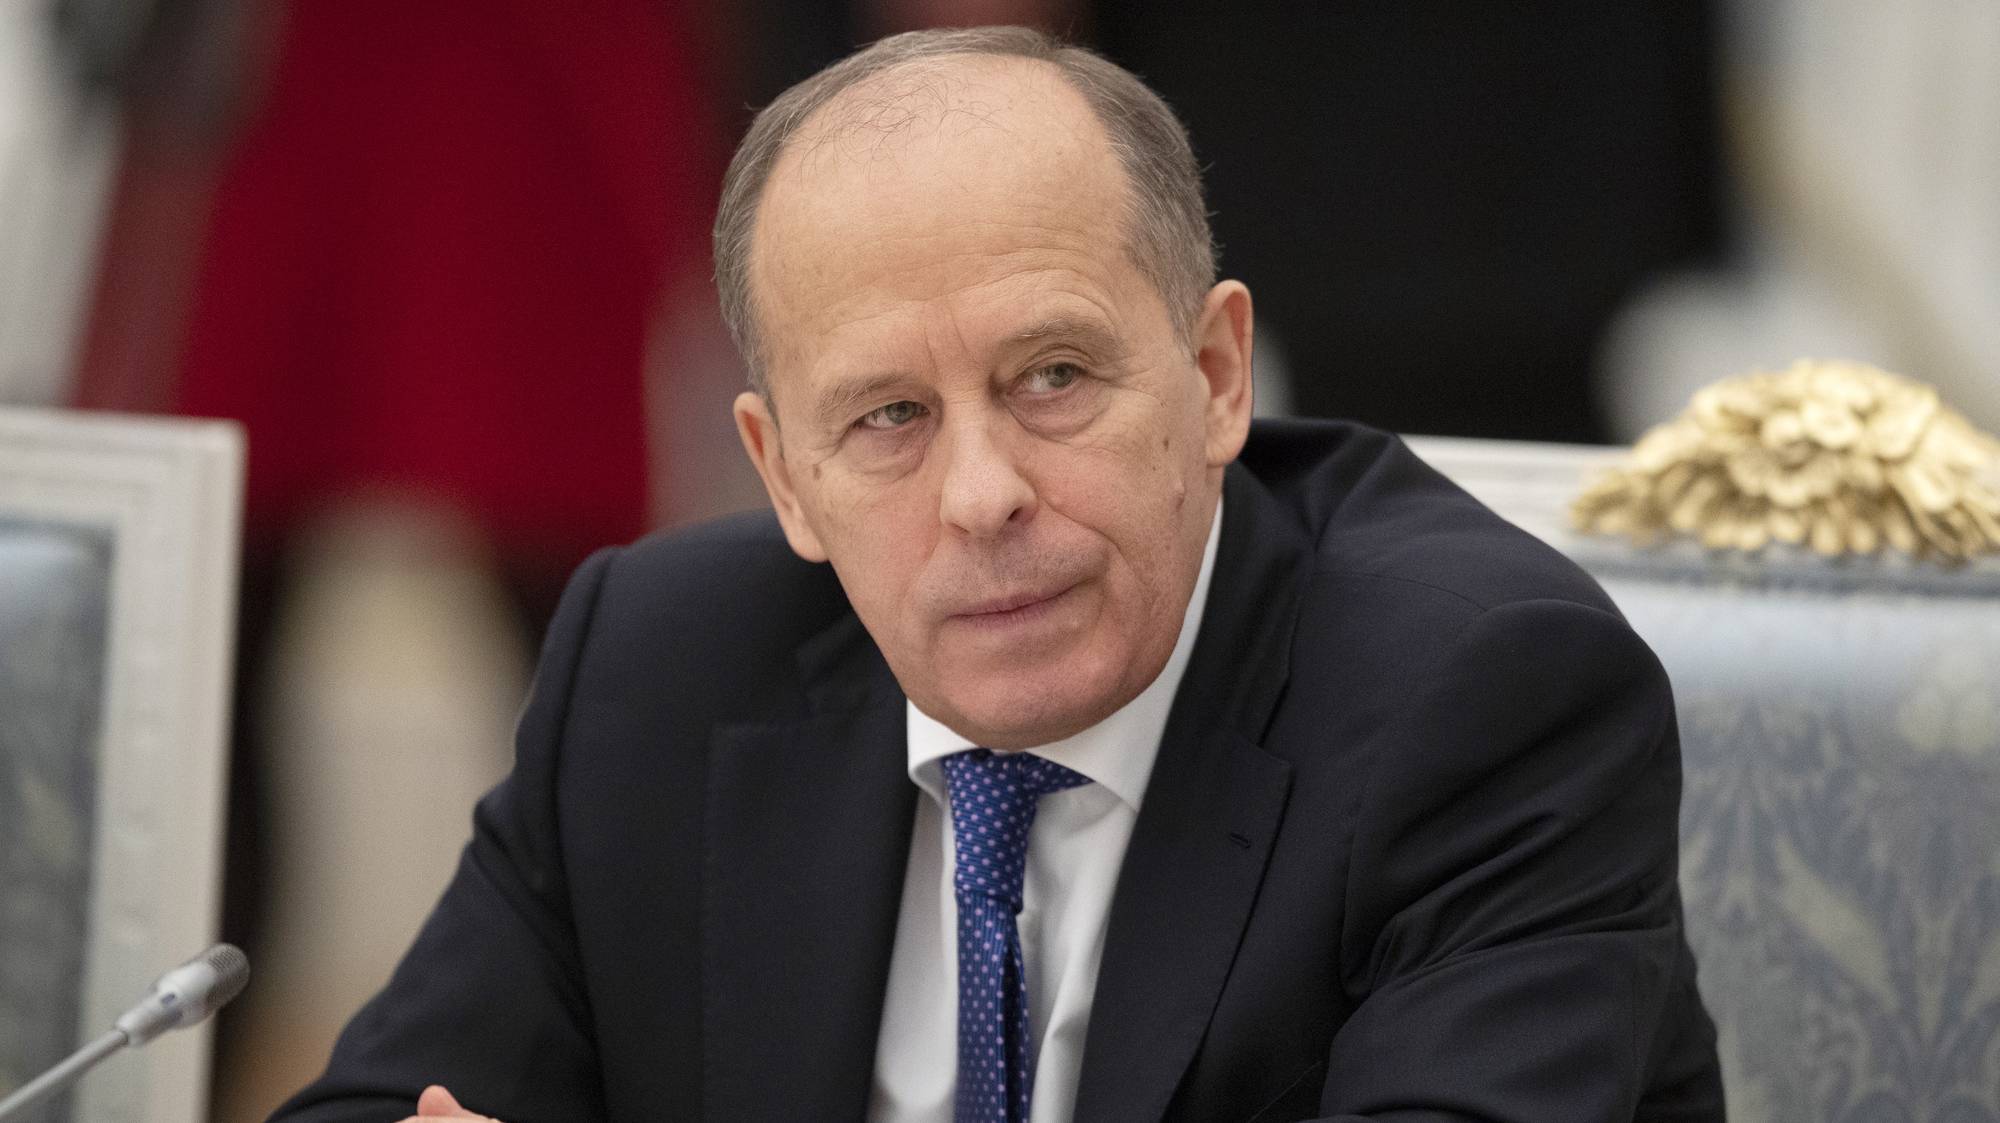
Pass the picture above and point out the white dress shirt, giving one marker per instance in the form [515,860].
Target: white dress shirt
[1074,851]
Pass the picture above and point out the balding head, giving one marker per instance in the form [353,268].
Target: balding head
[900,84]
[894,187]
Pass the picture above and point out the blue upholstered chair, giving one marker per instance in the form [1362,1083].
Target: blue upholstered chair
[1840,824]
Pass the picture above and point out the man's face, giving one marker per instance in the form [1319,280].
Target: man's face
[984,417]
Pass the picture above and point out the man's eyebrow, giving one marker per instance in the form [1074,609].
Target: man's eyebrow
[839,400]
[1088,334]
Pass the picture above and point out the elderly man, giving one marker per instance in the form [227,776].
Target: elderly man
[1065,747]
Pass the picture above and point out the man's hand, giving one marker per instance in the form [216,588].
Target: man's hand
[437,1103]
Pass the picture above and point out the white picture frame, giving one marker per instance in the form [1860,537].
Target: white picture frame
[168,493]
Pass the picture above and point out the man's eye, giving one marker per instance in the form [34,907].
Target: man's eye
[1055,376]
[895,415]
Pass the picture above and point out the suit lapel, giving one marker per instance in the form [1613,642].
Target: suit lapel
[1212,809]
[807,833]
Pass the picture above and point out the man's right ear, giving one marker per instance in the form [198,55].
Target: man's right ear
[758,427]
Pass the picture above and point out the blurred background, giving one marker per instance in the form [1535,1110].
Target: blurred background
[447,262]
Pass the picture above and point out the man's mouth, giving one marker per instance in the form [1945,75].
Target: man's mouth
[1012,607]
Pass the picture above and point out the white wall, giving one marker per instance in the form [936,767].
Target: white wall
[1867,137]
[56,158]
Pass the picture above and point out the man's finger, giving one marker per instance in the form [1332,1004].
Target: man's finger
[437,1102]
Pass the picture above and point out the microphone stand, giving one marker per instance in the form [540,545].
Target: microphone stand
[181,997]
[63,1075]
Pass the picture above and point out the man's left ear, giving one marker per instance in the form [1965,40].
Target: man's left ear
[1223,338]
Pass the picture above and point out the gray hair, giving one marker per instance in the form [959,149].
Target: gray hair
[1167,232]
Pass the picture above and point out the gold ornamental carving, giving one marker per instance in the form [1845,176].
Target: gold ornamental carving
[1838,456]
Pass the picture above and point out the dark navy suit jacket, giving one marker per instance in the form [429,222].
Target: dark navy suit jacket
[1408,852]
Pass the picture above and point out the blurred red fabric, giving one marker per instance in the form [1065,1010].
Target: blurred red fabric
[435,254]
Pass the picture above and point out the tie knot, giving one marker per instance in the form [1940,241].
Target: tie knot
[993,797]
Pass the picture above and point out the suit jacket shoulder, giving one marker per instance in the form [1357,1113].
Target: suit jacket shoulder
[1374,510]
[716,613]
[1481,825]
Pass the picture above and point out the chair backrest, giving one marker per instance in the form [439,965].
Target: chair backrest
[118,562]
[1840,823]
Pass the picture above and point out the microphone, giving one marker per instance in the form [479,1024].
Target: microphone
[187,994]
[179,998]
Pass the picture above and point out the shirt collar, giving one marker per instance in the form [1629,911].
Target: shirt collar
[1117,752]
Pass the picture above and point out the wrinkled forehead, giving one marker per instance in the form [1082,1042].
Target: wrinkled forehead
[924,172]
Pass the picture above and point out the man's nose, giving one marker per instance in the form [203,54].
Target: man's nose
[984,489]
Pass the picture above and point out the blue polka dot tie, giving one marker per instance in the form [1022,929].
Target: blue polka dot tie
[993,798]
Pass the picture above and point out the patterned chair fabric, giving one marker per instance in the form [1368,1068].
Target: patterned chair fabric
[1840,823]
[54,585]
